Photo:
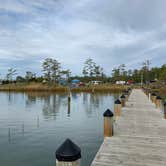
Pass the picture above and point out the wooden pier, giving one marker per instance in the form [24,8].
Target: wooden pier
[139,136]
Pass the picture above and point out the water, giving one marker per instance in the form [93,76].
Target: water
[34,125]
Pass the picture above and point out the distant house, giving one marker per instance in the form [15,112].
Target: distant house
[120,82]
[129,82]
[95,82]
[44,81]
[75,83]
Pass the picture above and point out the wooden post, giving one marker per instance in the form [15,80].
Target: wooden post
[149,96]
[69,98]
[108,123]
[117,108]
[152,94]
[158,102]
[165,110]
[68,108]
[123,100]
[69,95]
[130,90]
[126,94]
[68,154]
[154,98]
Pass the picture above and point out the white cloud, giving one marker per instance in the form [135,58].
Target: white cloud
[111,32]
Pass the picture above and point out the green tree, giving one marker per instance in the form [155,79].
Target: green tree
[51,69]
[116,74]
[89,68]
[10,74]
[20,79]
[162,73]
[98,71]
[66,73]
[30,76]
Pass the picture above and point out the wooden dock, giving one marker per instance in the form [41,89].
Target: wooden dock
[139,136]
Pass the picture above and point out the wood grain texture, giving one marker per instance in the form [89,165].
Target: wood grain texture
[139,136]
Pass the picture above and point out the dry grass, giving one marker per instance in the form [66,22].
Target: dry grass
[32,87]
[38,87]
[101,88]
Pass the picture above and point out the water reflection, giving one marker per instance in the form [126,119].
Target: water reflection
[27,118]
[53,103]
[13,97]
[9,135]
[68,108]
[30,101]
[85,97]
[38,122]
[23,129]
[94,99]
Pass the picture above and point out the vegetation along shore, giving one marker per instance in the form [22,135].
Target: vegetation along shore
[57,88]
[93,78]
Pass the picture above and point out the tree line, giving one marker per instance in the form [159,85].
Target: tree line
[53,72]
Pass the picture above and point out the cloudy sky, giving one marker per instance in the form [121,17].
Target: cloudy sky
[111,32]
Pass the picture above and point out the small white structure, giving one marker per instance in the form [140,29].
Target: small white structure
[120,82]
[96,82]
[44,81]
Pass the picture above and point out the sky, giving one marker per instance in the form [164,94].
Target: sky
[112,32]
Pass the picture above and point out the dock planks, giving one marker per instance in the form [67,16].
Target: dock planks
[139,136]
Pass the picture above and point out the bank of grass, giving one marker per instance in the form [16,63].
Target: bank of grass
[23,87]
[101,88]
[39,87]
[158,88]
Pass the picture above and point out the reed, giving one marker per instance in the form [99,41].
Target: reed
[39,87]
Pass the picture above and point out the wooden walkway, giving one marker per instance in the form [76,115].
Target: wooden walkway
[139,136]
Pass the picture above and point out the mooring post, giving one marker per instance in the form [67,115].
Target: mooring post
[158,102]
[108,123]
[68,98]
[68,154]
[123,100]
[117,108]
[149,96]
[153,98]
[165,110]
[68,108]
[126,93]
[129,90]
[69,95]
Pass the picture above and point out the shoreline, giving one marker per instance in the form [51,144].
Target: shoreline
[35,87]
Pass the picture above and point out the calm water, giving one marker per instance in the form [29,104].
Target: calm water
[32,126]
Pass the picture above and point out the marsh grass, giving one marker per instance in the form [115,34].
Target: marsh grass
[39,87]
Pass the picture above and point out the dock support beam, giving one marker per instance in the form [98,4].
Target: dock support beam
[165,110]
[108,123]
[158,102]
[153,97]
[123,100]
[117,108]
